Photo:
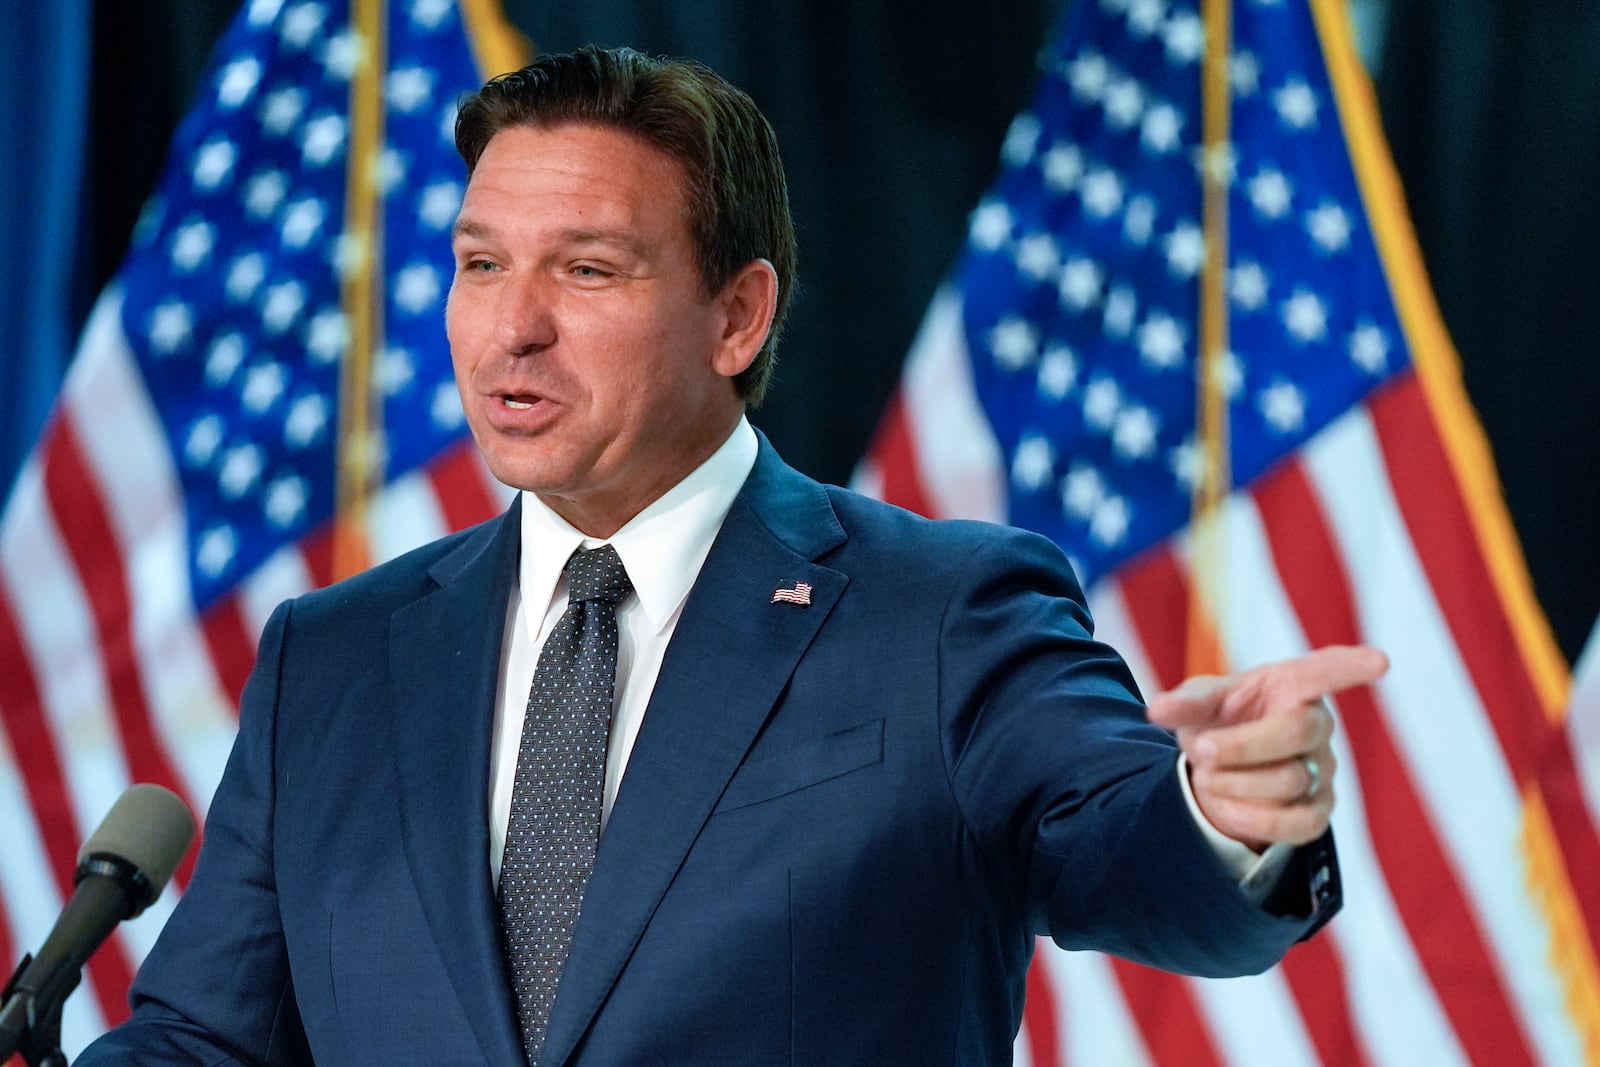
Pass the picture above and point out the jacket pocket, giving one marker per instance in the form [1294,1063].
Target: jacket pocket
[803,766]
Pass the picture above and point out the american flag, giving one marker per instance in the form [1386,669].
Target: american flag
[800,594]
[280,306]
[1054,385]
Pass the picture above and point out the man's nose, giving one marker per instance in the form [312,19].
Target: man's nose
[525,320]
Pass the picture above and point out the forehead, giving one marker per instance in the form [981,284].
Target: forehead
[594,171]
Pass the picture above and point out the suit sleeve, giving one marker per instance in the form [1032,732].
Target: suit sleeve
[1071,793]
[215,989]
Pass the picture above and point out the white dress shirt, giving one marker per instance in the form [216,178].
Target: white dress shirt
[663,549]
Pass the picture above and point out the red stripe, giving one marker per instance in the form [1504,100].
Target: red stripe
[43,777]
[458,483]
[233,651]
[1169,1018]
[1420,873]
[1041,1015]
[316,548]
[895,454]
[1157,595]
[1439,524]
[73,491]
[1316,977]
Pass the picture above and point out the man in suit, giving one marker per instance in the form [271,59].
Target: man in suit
[850,762]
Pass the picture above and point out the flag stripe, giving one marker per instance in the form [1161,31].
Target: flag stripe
[1163,1004]
[1395,1006]
[28,886]
[232,650]
[1425,882]
[72,489]
[119,434]
[38,757]
[1271,631]
[1316,976]
[1455,571]
[403,516]
[1299,1011]
[1041,1019]
[462,485]
[1465,783]
[1153,585]
[894,460]
[1458,581]
[1099,1026]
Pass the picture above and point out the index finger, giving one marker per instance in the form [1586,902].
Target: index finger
[1304,679]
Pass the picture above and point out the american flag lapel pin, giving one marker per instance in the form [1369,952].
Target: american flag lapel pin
[800,594]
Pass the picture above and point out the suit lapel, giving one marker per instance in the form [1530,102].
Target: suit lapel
[709,703]
[444,656]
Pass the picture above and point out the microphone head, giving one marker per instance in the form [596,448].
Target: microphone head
[148,828]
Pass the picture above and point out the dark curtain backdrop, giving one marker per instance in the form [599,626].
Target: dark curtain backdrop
[1491,109]
[891,115]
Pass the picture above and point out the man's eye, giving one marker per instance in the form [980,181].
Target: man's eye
[588,270]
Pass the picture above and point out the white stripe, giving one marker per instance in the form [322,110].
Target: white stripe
[1391,998]
[1021,1050]
[1394,1005]
[55,623]
[956,452]
[1096,1024]
[405,515]
[283,576]
[1583,722]
[1437,720]
[125,447]
[867,478]
[1255,1020]
[31,899]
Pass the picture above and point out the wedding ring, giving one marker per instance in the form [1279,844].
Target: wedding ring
[1313,777]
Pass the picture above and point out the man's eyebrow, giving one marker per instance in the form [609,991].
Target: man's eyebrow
[622,239]
[465,227]
[625,240]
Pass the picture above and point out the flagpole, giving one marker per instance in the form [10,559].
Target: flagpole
[1206,620]
[360,454]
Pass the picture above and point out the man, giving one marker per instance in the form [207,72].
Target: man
[848,762]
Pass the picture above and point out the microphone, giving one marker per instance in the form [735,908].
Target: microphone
[122,868]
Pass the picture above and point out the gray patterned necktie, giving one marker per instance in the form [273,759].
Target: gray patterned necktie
[555,804]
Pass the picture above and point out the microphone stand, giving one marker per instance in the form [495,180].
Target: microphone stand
[37,1037]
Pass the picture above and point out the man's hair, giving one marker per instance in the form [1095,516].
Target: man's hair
[733,180]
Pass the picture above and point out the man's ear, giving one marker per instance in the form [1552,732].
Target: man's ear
[748,303]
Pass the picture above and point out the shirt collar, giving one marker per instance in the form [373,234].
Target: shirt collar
[662,547]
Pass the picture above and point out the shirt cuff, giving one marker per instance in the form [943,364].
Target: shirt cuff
[1256,872]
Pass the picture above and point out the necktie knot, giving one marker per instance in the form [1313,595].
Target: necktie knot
[597,575]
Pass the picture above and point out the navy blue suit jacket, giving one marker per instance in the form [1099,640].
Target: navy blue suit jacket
[840,829]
